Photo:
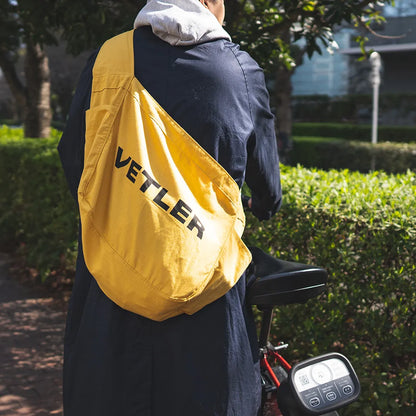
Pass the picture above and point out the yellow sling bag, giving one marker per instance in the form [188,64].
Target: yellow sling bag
[161,219]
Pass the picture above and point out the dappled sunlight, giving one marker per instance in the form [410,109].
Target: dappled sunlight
[31,348]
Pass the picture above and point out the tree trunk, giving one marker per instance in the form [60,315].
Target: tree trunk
[38,113]
[283,99]
[17,89]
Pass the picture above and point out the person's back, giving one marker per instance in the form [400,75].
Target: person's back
[119,363]
[203,88]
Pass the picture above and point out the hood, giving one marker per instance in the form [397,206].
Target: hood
[180,22]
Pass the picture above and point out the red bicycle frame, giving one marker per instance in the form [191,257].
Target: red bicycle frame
[269,353]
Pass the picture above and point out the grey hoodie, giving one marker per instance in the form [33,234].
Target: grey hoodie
[180,22]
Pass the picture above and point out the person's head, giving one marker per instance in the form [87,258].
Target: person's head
[216,7]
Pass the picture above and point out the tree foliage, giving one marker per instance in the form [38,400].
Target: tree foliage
[270,31]
[23,22]
[269,28]
[27,26]
[86,24]
[259,25]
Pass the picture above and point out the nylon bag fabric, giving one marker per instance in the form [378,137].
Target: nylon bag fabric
[161,219]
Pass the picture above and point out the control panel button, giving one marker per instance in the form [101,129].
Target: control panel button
[331,396]
[347,389]
[314,402]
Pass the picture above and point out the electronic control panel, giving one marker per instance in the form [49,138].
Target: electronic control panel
[324,383]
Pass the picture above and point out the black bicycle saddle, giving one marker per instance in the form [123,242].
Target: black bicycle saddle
[280,282]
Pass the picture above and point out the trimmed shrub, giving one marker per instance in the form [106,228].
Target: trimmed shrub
[362,229]
[332,153]
[397,109]
[359,132]
[37,213]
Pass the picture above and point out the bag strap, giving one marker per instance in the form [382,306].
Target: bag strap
[115,60]
[121,63]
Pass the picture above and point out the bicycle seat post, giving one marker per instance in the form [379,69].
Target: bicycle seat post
[266,323]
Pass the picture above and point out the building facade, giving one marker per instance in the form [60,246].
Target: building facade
[341,73]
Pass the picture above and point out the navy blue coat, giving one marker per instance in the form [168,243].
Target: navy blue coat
[117,363]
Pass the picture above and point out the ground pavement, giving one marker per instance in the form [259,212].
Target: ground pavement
[31,339]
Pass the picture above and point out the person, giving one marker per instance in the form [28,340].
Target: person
[117,363]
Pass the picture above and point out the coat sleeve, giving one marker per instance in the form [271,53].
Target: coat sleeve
[71,145]
[262,171]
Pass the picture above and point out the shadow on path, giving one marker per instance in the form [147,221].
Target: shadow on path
[31,348]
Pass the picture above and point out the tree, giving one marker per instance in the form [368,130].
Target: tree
[25,23]
[29,25]
[268,29]
[87,24]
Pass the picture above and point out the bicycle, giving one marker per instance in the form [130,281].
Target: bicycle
[317,386]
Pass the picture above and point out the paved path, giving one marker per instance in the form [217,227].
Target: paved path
[31,338]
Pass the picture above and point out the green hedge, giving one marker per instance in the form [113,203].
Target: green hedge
[354,107]
[360,132]
[333,153]
[37,213]
[362,228]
